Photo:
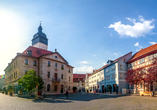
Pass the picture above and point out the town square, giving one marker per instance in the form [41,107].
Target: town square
[79,101]
[78,55]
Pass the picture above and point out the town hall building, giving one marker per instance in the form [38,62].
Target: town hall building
[55,71]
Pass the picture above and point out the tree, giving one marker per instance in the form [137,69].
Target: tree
[29,81]
[10,88]
[74,89]
[136,76]
[41,82]
[4,89]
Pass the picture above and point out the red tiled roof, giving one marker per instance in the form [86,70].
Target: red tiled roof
[79,75]
[88,74]
[36,52]
[143,52]
[121,57]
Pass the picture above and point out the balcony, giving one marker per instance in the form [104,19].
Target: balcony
[55,79]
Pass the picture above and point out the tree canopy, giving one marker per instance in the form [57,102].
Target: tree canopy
[30,80]
[135,76]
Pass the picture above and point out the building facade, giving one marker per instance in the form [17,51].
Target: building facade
[143,60]
[95,79]
[87,81]
[55,71]
[114,74]
[79,81]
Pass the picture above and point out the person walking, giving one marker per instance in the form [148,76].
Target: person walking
[67,94]
[87,91]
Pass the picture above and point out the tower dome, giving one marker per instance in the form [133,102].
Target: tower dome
[39,33]
[39,39]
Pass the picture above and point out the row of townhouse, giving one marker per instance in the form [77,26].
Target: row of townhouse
[114,73]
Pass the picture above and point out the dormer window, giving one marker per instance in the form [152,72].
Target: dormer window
[55,56]
[29,52]
[109,62]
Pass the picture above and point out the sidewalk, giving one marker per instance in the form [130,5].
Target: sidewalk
[107,93]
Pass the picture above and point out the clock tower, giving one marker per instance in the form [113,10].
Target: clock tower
[39,39]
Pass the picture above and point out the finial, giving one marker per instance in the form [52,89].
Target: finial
[40,23]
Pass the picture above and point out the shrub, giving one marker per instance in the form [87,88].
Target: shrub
[74,88]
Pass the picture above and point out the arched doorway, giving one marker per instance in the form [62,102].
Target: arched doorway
[61,88]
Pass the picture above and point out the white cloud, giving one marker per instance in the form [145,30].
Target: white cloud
[84,62]
[116,54]
[137,30]
[83,69]
[137,44]
[94,55]
[152,43]
[104,63]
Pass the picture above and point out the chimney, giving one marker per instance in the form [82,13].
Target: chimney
[55,50]
[141,49]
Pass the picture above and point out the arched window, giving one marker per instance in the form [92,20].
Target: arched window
[48,87]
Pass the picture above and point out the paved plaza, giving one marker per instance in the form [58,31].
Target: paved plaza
[79,101]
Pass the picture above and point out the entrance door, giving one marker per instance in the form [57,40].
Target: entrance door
[61,88]
[55,76]
[103,89]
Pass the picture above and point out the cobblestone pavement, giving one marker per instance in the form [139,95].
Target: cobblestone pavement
[79,101]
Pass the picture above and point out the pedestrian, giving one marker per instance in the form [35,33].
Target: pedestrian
[87,91]
[67,94]
[90,90]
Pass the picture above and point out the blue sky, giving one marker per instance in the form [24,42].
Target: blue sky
[85,32]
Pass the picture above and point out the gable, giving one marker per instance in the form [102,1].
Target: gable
[56,57]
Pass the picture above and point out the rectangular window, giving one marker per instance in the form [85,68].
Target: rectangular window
[120,67]
[16,74]
[62,67]
[107,70]
[25,71]
[34,63]
[62,76]
[113,76]
[121,75]
[113,68]
[26,61]
[69,70]
[48,74]
[150,57]
[108,77]
[48,63]
[56,65]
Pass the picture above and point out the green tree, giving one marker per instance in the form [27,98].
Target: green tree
[41,82]
[29,81]
[10,88]
[74,89]
[4,90]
